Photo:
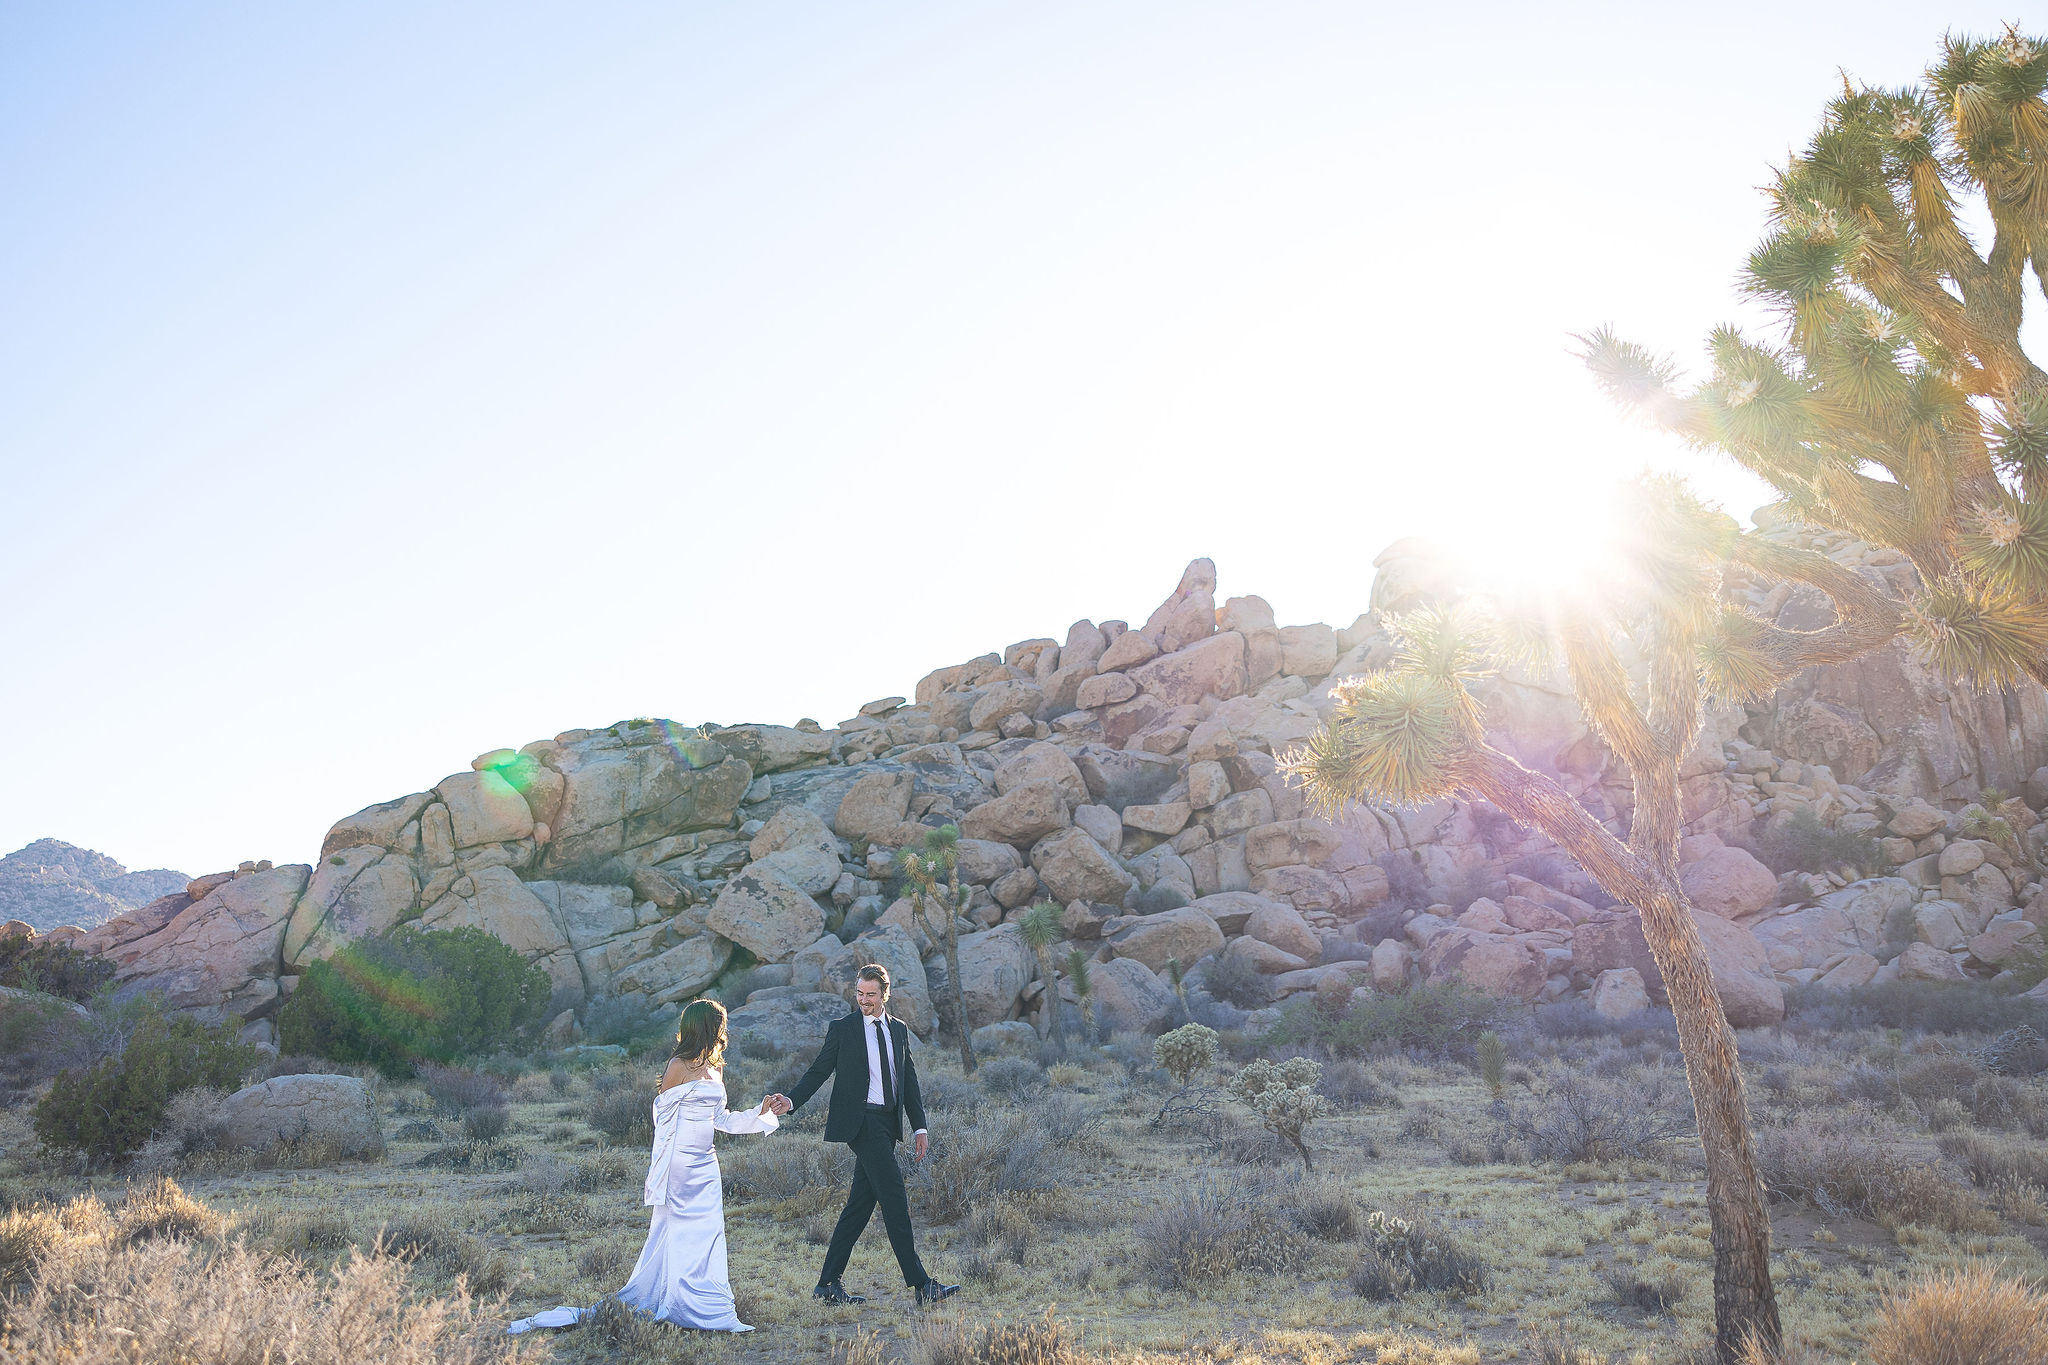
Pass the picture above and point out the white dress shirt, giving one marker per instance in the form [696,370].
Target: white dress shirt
[879,1042]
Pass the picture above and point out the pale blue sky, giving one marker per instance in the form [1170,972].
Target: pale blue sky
[380,384]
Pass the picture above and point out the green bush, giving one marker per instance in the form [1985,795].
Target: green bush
[1804,844]
[1441,1019]
[108,1110]
[415,995]
[38,964]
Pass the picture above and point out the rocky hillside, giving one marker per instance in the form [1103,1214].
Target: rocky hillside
[51,883]
[1129,773]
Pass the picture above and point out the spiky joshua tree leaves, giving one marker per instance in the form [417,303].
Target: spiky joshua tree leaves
[931,879]
[1896,405]
[1042,926]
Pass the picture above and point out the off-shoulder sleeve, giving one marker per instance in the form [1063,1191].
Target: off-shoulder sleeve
[704,1102]
[745,1121]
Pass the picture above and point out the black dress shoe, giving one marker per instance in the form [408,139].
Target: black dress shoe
[931,1291]
[834,1293]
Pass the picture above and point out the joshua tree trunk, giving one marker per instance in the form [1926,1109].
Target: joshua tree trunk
[1055,1026]
[1745,1304]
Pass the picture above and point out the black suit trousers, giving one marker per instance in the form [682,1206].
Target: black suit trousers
[876,1180]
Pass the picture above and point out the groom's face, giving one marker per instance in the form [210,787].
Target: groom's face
[868,995]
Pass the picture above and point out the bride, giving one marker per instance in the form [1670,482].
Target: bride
[681,1274]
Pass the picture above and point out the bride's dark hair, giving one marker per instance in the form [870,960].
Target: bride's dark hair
[700,1037]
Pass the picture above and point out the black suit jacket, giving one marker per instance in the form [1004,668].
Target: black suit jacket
[844,1058]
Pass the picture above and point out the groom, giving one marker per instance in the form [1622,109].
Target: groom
[874,1085]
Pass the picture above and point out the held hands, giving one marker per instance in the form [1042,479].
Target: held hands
[776,1104]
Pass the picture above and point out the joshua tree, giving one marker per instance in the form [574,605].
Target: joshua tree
[931,876]
[1041,927]
[1084,995]
[1177,976]
[1899,408]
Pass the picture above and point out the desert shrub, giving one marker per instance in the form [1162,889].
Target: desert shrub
[624,1021]
[485,1122]
[624,1116]
[1589,1118]
[948,1095]
[1990,1161]
[1184,1051]
[1067,1120]
[1235,981]
[1132,1052]
[1961,1317]
[42,964]
[1442,1020]
[993,1153]
[1406,1254]
[559,1080]
[456,1088]
[1657,1290]
[109,1110]
[1353,1085]
[171,1300]
[1066,1075]
[2019,1051]
[415,994]
[1804,844]
[1850,1166]
[430,1240]
[606,1262]
[307,1235]
[956,1341]
[419,1130]
[2006,1104]
[1011,1078]
[1285,1098]
[1211,1228]
[471,1155]
[190,1127]
[785,1168]
[1324,1209]
[159,1208]
[1915,1006]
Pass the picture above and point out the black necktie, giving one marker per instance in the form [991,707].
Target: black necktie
[888,1080]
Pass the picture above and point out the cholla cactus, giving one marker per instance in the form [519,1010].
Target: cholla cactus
[1185,1051]
[1285,1098]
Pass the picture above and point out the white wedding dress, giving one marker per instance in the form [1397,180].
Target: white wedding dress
[681,1274]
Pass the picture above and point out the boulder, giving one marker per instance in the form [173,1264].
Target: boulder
[1289,842]
[360,892]
[1917,821]
[219,956]
[1941,925]
[1164,820]
[1103,825]
[1126,651]
[1232,910]
[1213,667]
[1022,817]
[336,1113]
[1119,777]
[790,828]
[1619,994]
[1002,700]
[1009,1038]
[1496,966]
[787,1023]
[497,902]
[1750,994]
[1728,882]
[874,806]
[983,861]
[1042,762]
[1105,689]
[1263,956]
[678,973]
[616,798]
[1925,962]
[1207,783]
[812,871]
[1390,960]
[483,808]
[774,748]
[1960,858]
[1284,928]
[1308,651]
[1305,888]
[1075,867]
[767,916]
[807,968]
[1857,969]
[1187,933]
[377,825]
[1236,814]
[2007,943]
[1810,936]
[1130,997]
[995,966]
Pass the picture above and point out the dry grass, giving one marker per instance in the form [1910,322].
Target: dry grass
[1962,1317]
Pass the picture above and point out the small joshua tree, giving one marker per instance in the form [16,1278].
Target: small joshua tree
[1285,1098]
[1177,975]
[1084,995]
[1183,1052]
[1493,1061]
[1041,927]
[931,877]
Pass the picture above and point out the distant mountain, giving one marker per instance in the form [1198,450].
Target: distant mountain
[51,882]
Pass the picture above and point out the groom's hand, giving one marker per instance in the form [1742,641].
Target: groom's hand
[918,1144]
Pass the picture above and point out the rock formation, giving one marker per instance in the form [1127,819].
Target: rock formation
[1130,774]
[51,883]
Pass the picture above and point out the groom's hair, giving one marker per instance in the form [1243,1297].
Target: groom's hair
[876,973]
